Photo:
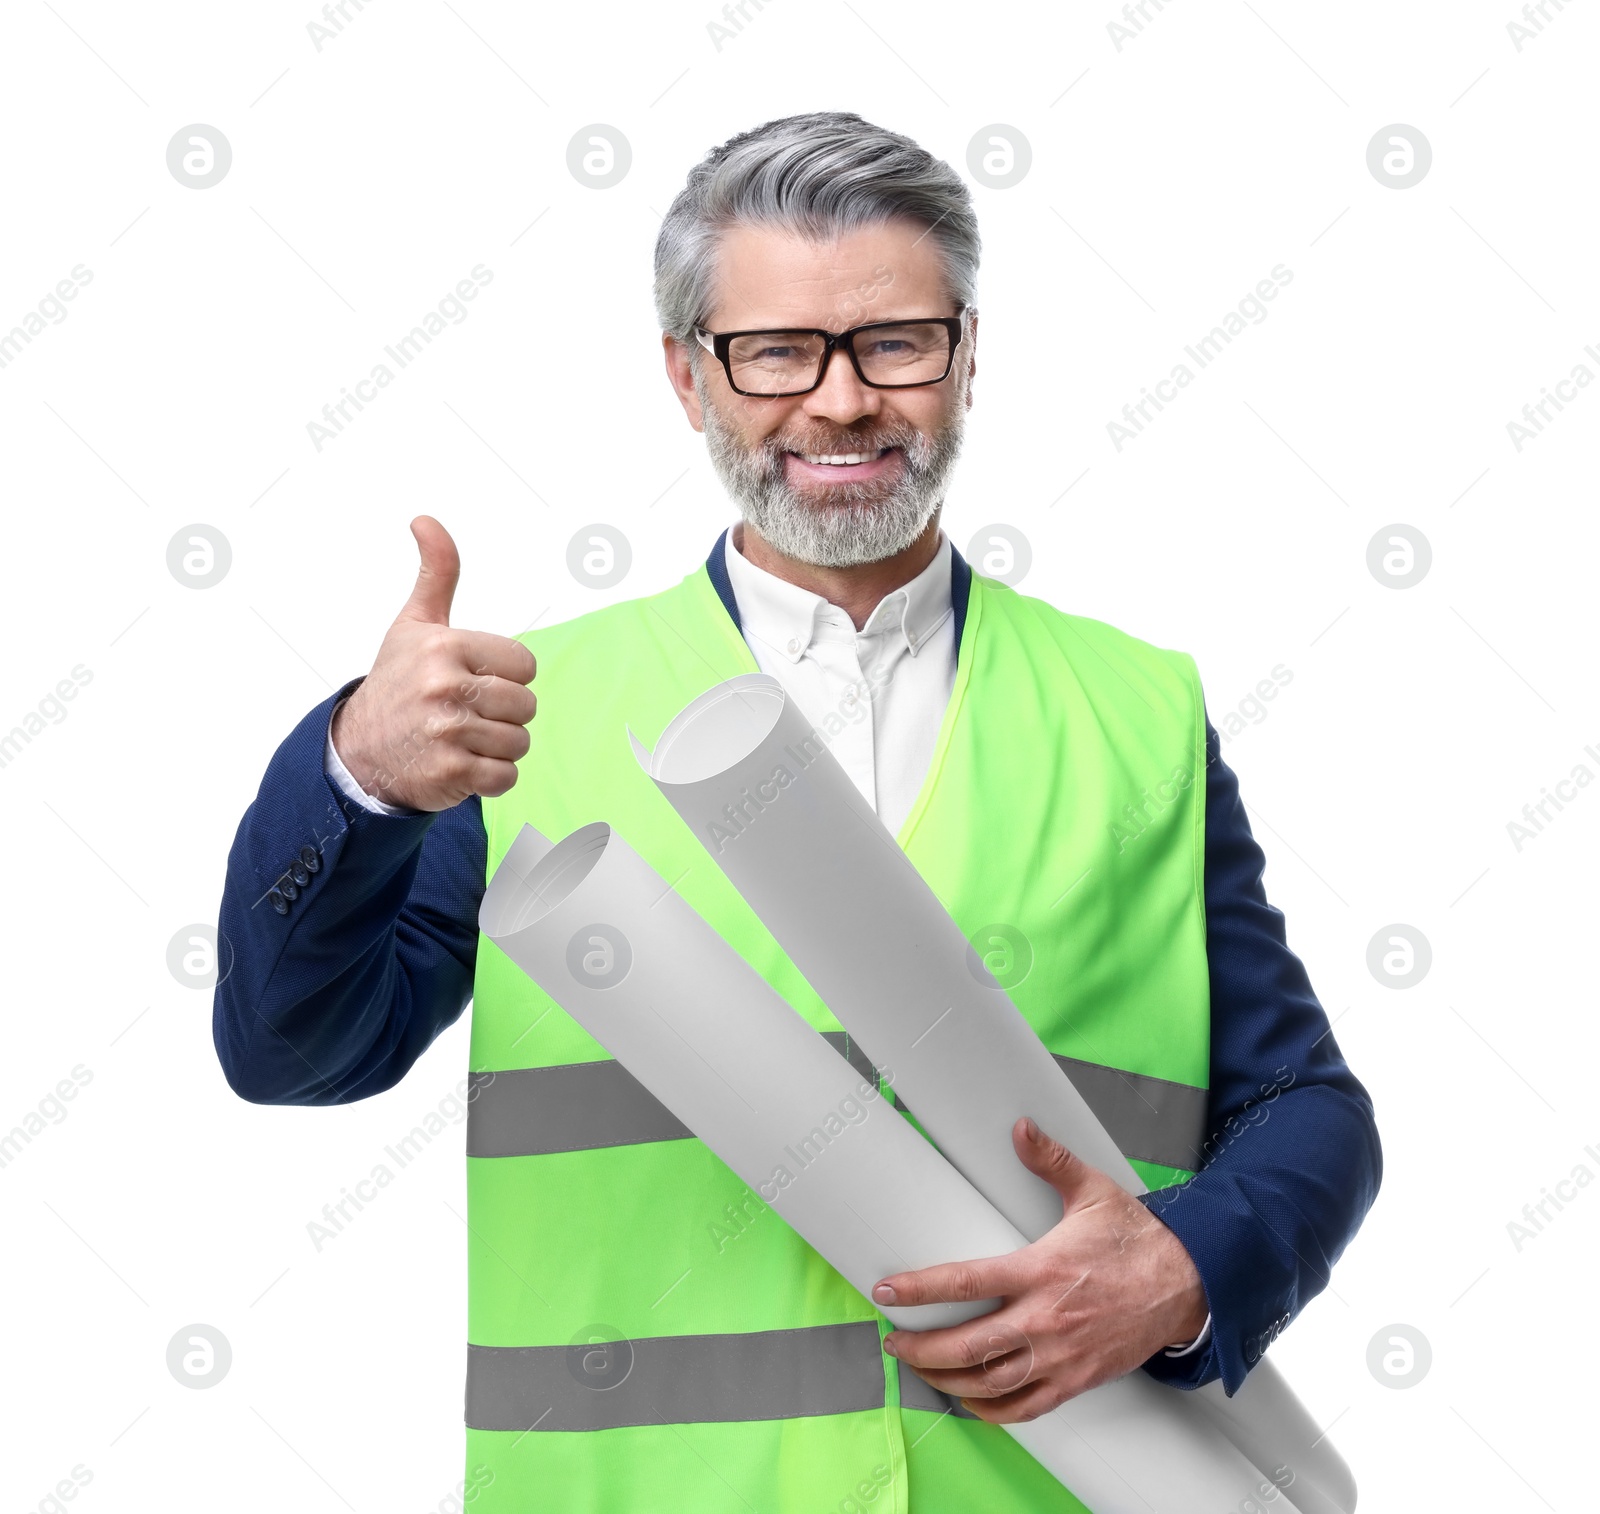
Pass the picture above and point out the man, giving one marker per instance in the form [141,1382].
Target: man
[644,1333]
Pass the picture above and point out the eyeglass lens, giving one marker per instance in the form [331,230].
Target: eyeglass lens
[777,362]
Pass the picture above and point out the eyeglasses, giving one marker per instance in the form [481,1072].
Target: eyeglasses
[893,355]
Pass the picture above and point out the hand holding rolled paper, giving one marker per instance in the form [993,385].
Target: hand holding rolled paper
[1089,1301]
[709,1037]
[855,916]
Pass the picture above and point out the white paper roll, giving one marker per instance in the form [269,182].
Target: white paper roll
[595,927]
[761,791]
[619,950]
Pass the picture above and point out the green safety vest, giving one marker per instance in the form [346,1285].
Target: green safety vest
[645,1334]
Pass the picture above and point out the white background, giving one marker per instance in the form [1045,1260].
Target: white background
[1167,178]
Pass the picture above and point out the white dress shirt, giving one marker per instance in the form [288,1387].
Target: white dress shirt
[876,695]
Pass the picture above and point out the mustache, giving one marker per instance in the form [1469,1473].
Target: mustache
[871,439]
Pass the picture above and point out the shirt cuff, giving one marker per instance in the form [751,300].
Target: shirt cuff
[1194,1345]
[344,779]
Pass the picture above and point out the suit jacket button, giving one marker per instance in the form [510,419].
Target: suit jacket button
[278,902]
[287,889]
[300,875]
[310,860]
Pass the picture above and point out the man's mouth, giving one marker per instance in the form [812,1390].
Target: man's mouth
[842,459]
[842,467]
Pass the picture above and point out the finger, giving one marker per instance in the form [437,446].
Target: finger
[1029,1402]
[1045,1156]
[951,1282]
[967,1347]
[436,577]
[492,777]
[498,656]
[500,699]
[994,1378]
[495,738]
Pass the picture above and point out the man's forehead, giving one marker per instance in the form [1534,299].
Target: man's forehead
[766,273]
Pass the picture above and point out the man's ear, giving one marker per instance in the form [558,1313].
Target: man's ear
[681,376]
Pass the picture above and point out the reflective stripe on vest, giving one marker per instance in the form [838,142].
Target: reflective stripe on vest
[588,1106]
[676,1379]
[689,1380]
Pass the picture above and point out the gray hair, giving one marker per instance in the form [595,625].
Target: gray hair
[816,174]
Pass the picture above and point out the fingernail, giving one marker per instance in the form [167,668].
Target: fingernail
[1031,1130]
[888,1345]
[883,1294]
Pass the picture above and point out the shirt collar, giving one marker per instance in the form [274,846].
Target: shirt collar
[789,619]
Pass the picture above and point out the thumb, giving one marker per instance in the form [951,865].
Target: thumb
[436,578]
[1047,1158]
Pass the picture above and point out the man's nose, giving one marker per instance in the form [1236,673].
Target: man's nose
[841,397]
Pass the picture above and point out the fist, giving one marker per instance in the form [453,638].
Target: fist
[443,713]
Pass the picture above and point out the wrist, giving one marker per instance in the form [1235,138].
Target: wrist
[344,739]
[1190,1313]
[333,766]
[1191,1322]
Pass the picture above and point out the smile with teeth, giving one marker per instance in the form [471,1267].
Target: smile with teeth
[841,459]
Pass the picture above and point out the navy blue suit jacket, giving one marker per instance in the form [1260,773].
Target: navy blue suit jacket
[372,957]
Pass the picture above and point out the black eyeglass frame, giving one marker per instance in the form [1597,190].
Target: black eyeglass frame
[834,341]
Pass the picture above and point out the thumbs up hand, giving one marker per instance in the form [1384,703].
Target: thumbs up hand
[443,713]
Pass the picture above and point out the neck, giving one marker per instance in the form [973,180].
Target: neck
[855,590]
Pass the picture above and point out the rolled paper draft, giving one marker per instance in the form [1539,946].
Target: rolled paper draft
[768,800]
[600,932]
[595,927]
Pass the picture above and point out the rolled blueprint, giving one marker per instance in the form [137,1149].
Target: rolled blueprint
[631,961]
[761,791]
[595,927]
[778,814]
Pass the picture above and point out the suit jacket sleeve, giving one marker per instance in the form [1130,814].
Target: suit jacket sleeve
[335,998]
[1292,1162]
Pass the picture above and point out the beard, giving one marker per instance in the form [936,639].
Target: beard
[853,522]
